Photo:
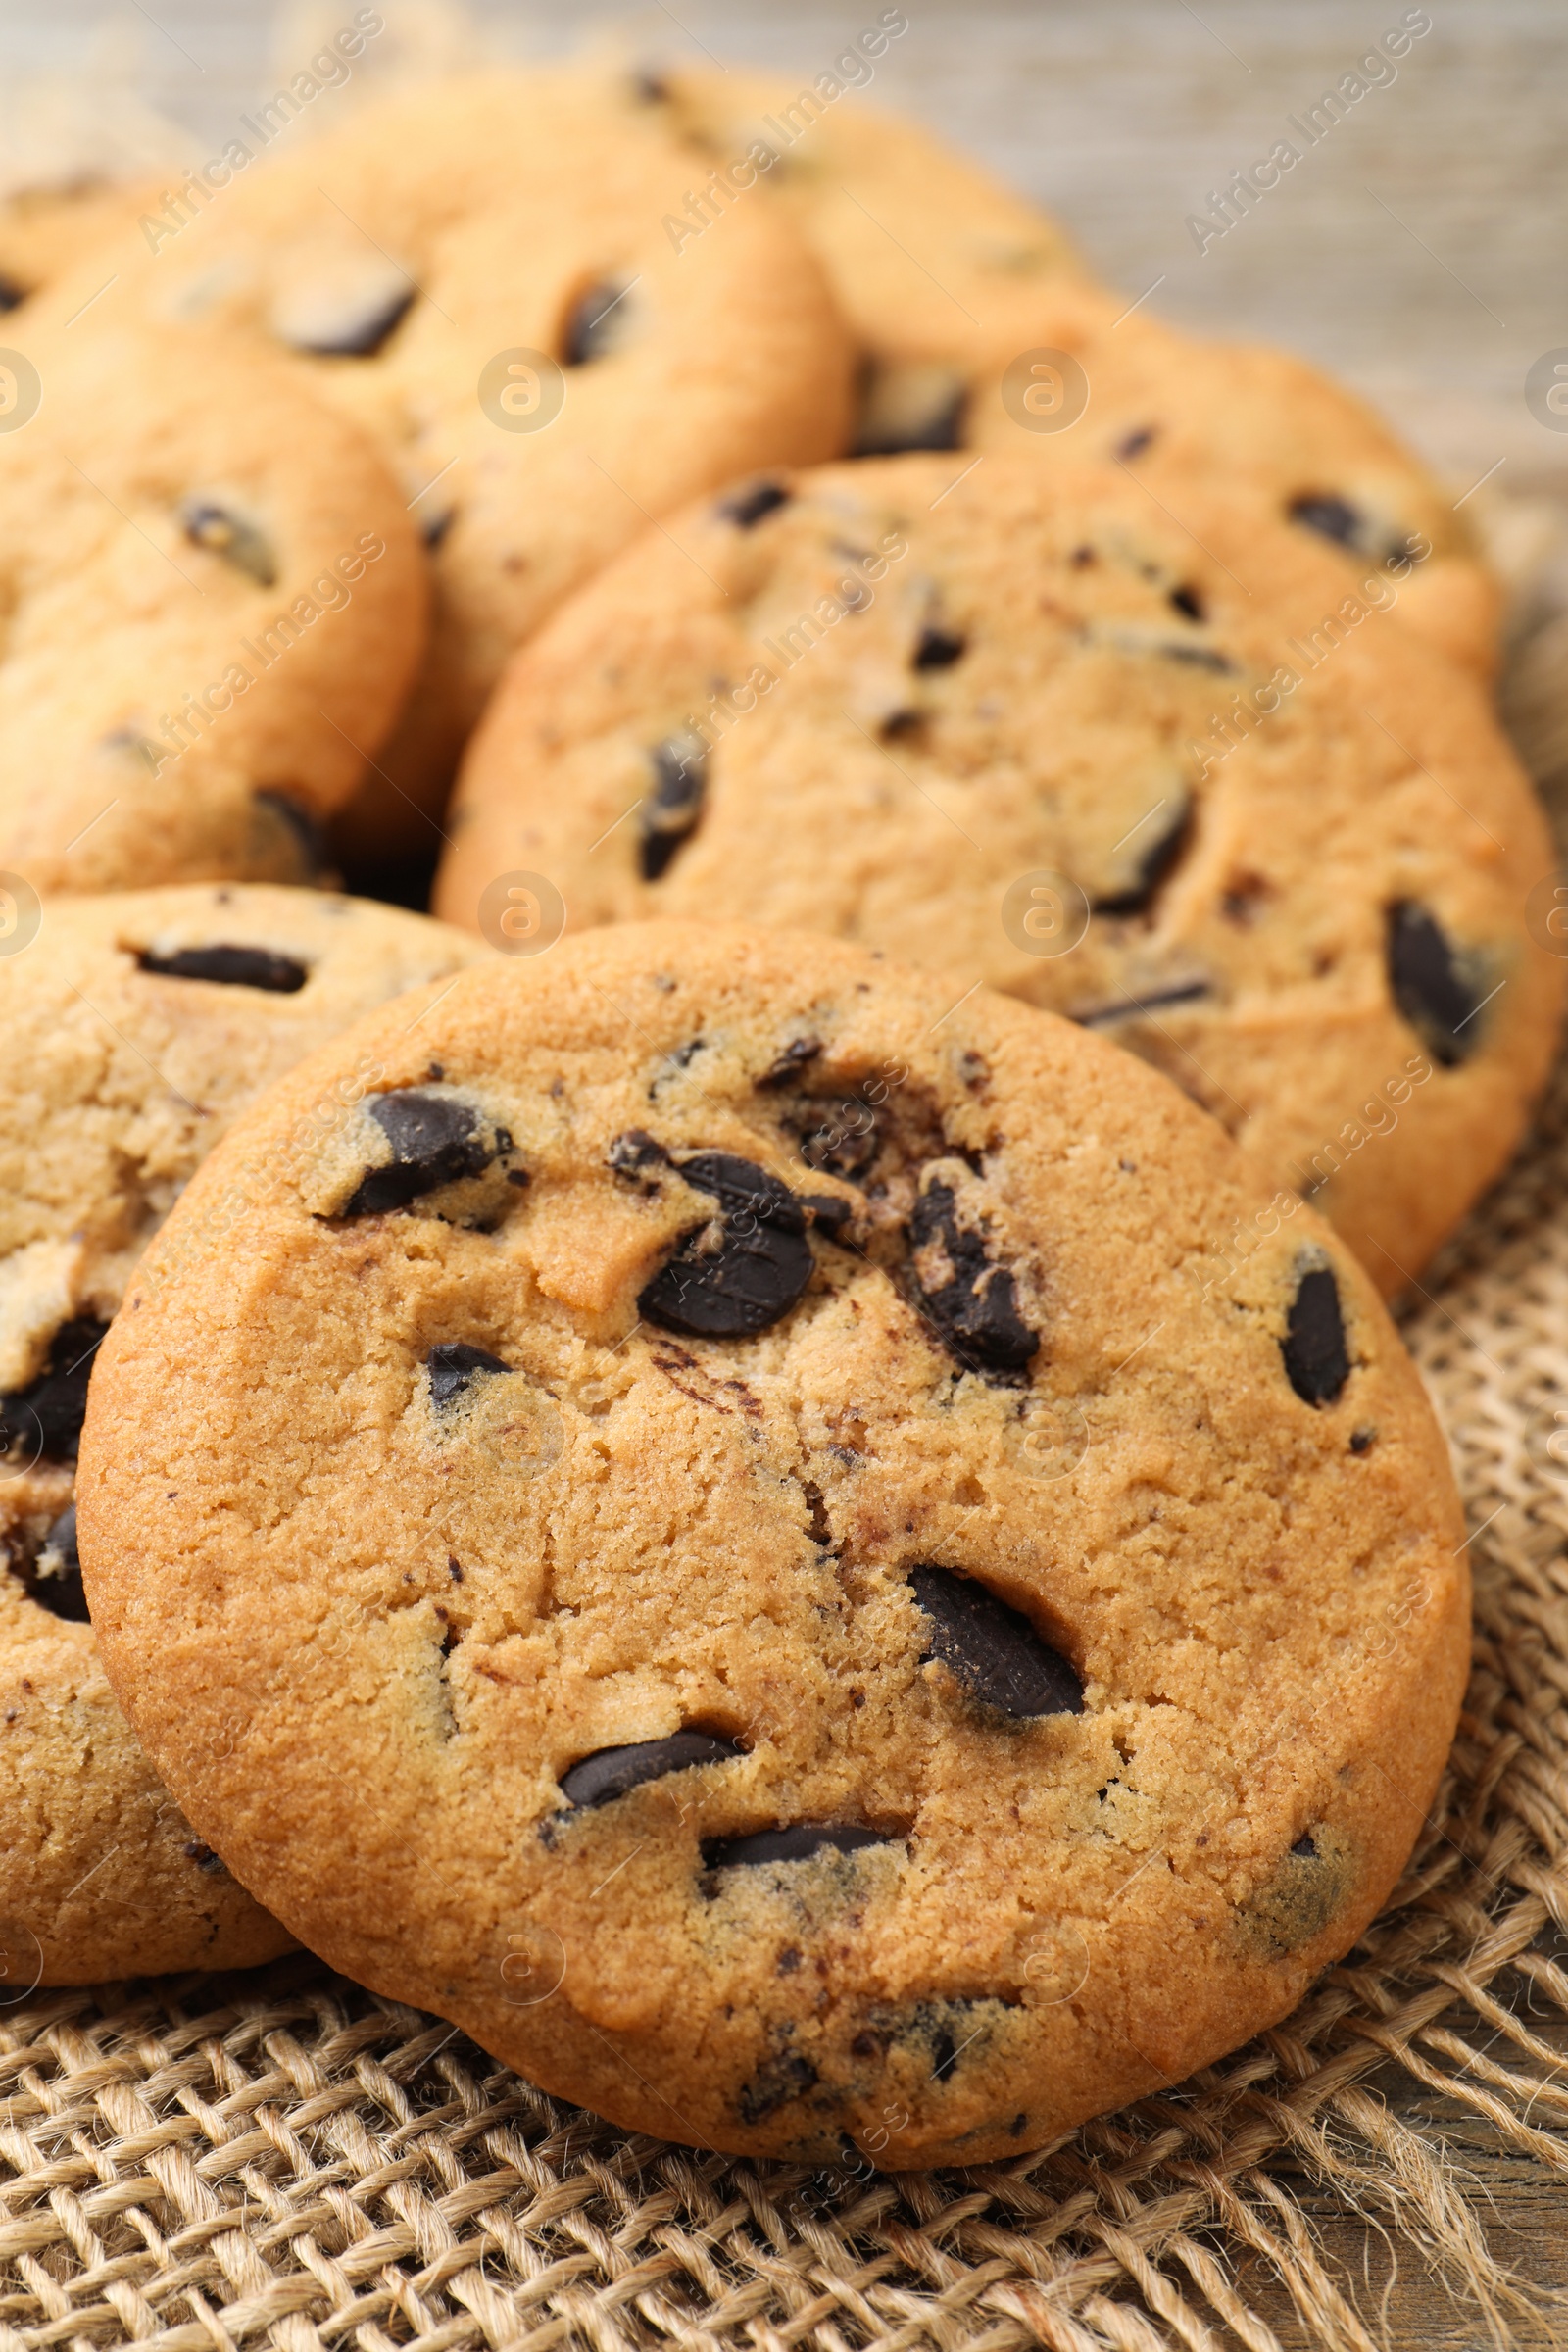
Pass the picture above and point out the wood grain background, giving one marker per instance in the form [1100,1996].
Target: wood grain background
[1419,250]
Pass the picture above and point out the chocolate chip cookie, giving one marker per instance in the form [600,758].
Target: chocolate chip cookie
[136,1026]
[1019,726]
[212,606]
[734,1530]
[481,276]
[980,330]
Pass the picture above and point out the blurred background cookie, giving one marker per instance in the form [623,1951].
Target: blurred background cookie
[214,604]
[481,276]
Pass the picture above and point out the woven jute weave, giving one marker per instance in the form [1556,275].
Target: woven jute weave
[283,2159]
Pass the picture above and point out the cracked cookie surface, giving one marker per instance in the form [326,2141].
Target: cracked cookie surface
[1031,731]
[964,1655]
[137,1024]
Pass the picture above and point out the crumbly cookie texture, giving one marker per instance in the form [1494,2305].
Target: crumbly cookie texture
[736,1531]
[966,300]
[136,1026]
[213,604]
[1023,728]
[453,266]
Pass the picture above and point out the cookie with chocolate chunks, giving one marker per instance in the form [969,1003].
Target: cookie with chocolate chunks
[982,330]
[136,1026]
[215,603]
[1023,726]
[754,1609]
[482,275]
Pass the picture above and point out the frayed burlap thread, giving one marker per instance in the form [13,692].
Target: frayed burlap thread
[283,2160]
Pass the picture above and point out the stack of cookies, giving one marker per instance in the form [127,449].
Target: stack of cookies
[762,1458]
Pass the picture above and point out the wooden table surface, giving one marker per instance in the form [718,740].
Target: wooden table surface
[1419,250]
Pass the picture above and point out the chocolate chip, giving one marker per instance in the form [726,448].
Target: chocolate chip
[747,508]
[231,967]
[1430,984]
[774,2086]
[599,1779]
[631,1154]
[944,2050]
[992,1649]
[1134,444]
[12,294]
[1317,1362]
[435,1139]
[1303,1848]
[357,332]
[1187,598]
[828,1210]
[1161,848]
[224,534]
[1201,657]
[58,1590]
[938,649]
[1363,1440]
[742,1278]
[1330,517]
[57,1399]
[594,324]
[453,1364]
[974,1305]
[1104,1016]
[901,726]
[794,1841]
[437,526]
[791,1061]
[203,1856]
[670,811]
[649,88]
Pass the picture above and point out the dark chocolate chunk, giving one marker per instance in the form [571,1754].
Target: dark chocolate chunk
[1103,1016]
[629,1154]
[938,649]
[1187,598]
[57,1399]
[742,1278]
[435,1139]
[828,1210]
[1134,444]
[1201,657]
[1363,1440]
[232,967]
[747,508]
[670,811]
[302,824]
[1156,858]
[594,324]
[1430,985]
[846,1144]
[437,526]
[650,88]
[453,1364]
[206,1861]
[224,534]
[944,2050]
[599,1779]
[792,1059]
[360,332]
[1317,1362]
[1330,517]
[774,2086]
[795,1842]
[974,1308]
[12,294]
[58,1590]
[1303,1848]
[992,1649]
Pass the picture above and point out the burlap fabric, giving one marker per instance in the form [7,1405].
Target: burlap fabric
[283,2159]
